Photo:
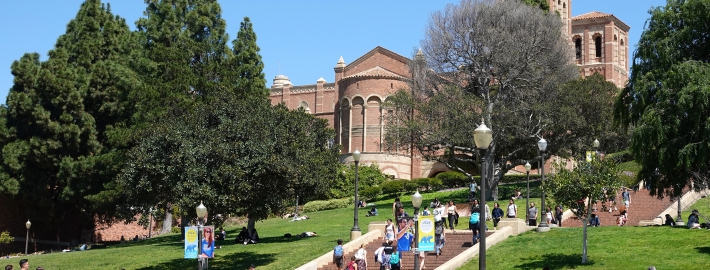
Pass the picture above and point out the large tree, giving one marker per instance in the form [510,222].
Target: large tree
[60,114]
[667,100]
[241,156]
[500,61]
[246,66]
[590,181]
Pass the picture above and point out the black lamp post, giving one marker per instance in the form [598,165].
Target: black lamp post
[416,202]
[27,238]
[596,147]
[542,146]
[483,137]
[355,231]
[527,198]
[201,214]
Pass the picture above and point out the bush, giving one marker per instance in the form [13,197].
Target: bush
[372,192]
[423,183]
[393,187]
[435,184]
[314,206]
[410,186]
[452,179]
[175,230]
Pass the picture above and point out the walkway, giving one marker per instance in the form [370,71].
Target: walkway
[643,206]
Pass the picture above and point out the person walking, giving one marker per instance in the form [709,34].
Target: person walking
[558,215]
[625,196]
[474,223]
[439,237]
[512,210]
[532,215]
[497,213]
[451,210]
[24,264]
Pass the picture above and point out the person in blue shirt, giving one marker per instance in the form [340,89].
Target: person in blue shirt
[404,237]
[497,213]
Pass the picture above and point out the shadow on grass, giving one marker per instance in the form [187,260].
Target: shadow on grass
[240,260]
[553,261]
[705,250]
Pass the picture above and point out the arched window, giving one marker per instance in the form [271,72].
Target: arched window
[598,44]
[577,47]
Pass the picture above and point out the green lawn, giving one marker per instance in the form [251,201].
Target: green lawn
[609,246]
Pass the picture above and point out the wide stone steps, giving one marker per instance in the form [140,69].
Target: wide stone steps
[455,244]
[643,206]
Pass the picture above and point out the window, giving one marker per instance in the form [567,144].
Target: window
[578,47]
[598,44]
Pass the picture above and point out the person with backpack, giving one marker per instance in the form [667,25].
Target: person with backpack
[439,237]
[379,252]
[396,206]
[395,260]
[352,265]
[473,224]
[338,254]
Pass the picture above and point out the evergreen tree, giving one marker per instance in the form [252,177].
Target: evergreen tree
[54,127]
[247,64]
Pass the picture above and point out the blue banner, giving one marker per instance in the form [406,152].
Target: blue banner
[191,242]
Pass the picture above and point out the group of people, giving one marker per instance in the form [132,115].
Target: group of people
[24,265]
[245,238]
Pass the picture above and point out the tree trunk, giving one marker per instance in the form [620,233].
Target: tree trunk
[585,221]
[250,226]
[168,220]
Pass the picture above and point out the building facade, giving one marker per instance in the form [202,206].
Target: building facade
[352,102]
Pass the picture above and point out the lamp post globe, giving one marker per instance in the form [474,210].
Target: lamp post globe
[596,143]
[27,237]
[483,136]
[355,231]
[542,146]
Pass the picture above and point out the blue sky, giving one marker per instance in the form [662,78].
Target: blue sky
[300,39]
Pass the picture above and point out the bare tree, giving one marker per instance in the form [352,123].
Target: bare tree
[502,62]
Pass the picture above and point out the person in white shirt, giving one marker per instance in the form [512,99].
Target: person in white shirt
[512,210]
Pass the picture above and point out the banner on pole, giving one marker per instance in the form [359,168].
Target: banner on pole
[191,242]
[426,233]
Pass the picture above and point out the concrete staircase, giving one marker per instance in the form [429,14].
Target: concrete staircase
[643,207]
[455,244]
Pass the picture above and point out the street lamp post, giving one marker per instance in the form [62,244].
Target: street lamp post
[483,137]
[527,198]
[150,222]
[201,214]
[355,231]
[416,202]
[542,146]
[27,237]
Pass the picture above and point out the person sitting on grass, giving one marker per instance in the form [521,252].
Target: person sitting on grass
[594,221]
[372,212]
[669,220]
[693,220]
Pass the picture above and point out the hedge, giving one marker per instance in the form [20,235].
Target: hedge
[371,192]
[393,187]
[318,205]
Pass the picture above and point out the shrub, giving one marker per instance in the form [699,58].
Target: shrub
[393,187]
[410,186]
[452,179]
[435,184]
[314,206]
[372,192]
[175,230]
[423,183]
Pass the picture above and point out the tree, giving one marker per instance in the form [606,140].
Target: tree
[241,156]
[5,239]
[542,4]
[499,61]
[247,64]
[588,181]
[667,100]
[56,126]
[368,176]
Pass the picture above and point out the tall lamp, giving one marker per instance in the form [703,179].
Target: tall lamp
[201,214]
[27,238]
[416,202]
[355,231]
[542,146]
[483,137]
[527,198]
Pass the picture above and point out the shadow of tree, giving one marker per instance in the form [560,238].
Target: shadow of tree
[553,261]
[240,260]
[705,250]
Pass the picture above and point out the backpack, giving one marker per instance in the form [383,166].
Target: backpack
[350,265]
[338,252]
[394,259]
[474,218]
[439,228]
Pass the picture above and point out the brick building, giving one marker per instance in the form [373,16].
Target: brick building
[351,103]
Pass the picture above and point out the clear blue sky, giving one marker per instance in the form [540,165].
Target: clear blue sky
[300,39]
